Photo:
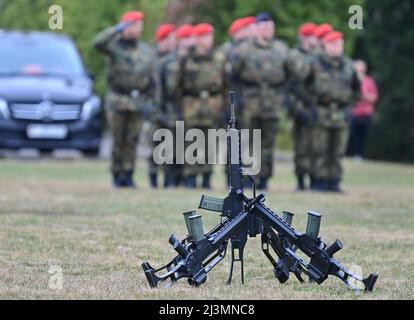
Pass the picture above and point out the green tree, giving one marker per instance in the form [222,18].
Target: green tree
[388,45]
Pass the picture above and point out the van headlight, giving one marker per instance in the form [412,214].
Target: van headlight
[90,108]
[4,109]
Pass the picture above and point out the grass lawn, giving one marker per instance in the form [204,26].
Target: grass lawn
[65,213]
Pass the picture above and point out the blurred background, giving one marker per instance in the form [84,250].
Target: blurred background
[386,42]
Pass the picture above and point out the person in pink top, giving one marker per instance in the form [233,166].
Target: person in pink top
[363,111]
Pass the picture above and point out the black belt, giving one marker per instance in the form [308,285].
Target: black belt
[134,92]
[254,85]
[197,94]
[328,104]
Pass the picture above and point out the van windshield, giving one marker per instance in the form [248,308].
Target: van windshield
[39,57]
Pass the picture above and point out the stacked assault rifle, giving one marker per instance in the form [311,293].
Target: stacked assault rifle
[242,216]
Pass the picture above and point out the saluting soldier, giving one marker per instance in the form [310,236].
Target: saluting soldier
[335,86]
[261,66]
[202,91]
[130,88]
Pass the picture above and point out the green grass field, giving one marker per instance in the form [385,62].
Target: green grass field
[65,213]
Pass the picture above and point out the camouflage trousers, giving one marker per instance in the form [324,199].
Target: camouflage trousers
[199,168]
[329,146]
[173,171]
[269,127]
[125,127]
[201,113]
[153,167]
[302,139]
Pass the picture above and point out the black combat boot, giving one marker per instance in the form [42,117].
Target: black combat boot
[116,180]
[153,180]
[323,185]
[129,179]
[170,181]
[334,186]
[206,181]
[301,182]
[191,182]
[319,185]
[311,182]
[262,184]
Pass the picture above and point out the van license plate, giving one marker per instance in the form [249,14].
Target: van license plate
[42,131]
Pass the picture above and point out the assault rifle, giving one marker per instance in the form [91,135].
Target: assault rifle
[242,217]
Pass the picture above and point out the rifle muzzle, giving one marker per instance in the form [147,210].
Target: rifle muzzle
[334,247]
[178,246]
[313,225]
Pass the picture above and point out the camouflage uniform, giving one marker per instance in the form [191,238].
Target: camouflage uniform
[202,86]
[263,73]
[302,112]
[156,120]
[335,86]
[228,49]
[167,84]
[130,82]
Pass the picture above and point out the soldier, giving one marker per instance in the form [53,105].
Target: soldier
[166,44]
[302,109]
[167,84]
[241,30]
[202,87]
[262,68]
[335,86]
[130,83]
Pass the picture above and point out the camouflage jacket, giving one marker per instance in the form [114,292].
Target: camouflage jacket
[263,72]
[202,86]
[335,87]
[228,49]
[300,97]
[166,88]
[130,71]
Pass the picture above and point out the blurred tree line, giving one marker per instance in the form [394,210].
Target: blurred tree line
[388,45]
[387,36]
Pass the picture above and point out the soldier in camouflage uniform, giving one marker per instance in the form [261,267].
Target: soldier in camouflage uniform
[166,47]
[240,31]
[202,89]
[167,72]
[301,107]
[261,66]
[335,86]
[130,90]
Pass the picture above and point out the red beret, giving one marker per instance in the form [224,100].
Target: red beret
[333,36]
[163,31]
[132,16]
[307,29]
[202,29]
[240,24]
[185,31]
[322,30]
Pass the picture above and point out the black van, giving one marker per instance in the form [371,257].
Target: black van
[46,96]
